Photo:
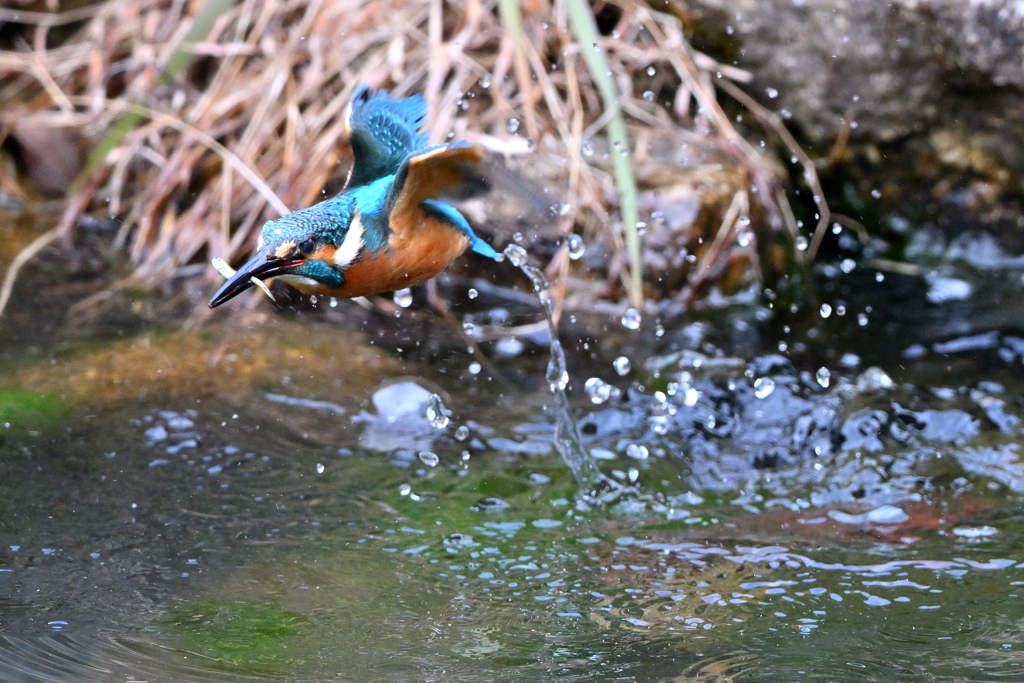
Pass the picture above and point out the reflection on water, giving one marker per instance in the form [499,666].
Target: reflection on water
[283,502]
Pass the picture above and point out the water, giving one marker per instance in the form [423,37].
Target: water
[278,515]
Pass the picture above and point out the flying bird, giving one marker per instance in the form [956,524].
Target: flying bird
[391,227]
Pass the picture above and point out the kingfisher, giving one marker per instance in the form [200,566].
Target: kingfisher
[393,225]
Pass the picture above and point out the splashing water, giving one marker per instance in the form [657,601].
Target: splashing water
[763,387]
[403,297]
[437,413]
[576,246]
[594,486]
[631,320]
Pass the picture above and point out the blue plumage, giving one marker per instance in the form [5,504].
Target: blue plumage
[389,216]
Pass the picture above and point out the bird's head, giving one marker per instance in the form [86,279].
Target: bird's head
[310,249]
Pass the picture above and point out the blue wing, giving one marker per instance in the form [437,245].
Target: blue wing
[430,176]
[383,132]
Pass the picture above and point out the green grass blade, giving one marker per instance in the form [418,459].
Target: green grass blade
[585,28]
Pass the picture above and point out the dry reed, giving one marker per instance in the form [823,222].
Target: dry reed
[197,140]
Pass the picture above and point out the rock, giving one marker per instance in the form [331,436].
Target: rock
[935,87]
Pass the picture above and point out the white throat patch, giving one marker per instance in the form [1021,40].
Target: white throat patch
[351,245]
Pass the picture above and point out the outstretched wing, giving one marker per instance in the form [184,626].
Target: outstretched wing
[450,172]
[383,132]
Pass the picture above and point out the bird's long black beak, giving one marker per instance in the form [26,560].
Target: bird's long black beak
[263,265]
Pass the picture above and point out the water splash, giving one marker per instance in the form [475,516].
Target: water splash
[594,487]
[403,297]
[437,413]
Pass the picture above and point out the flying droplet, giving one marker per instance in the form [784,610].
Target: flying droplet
[462,433]
[576,246]
[826,310]
[403,297]
[847,265]
[600,391]
[651,70]
[436,412]
[763,387]
[404,490]
[862,319]
[588,148]
[516,254]
[472,293]
[429,459]
[690,397]
[801,243]
[621,365]
[637,452]
[772,92]
[557,375]
[631,320]
[823,376]
[513,125]
[319,468]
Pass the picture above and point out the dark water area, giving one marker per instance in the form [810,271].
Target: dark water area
[828,490]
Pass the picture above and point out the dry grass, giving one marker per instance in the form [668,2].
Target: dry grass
[198,140]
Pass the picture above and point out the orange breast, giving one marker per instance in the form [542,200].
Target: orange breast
[416,253]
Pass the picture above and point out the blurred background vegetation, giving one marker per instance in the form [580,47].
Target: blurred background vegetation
[173,129]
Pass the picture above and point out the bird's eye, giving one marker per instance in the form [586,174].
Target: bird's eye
[306,247]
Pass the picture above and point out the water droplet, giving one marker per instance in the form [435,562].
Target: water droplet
[847,265]
[801,243]
[879,277]
[649,95]
[575,245]
[429,459]
[772,92]
[465,456]
[641,228]
[621,365]
[513,125]
[744,238]
[334,302]
[826,310]
[469,328]
[634,474]
[876,194]
[485,82]
[600,391]
[404,490]
[472,293]
[403,297]
[763,387]
[319,468]
[462,433]
[588,148]
[651,70]
[557,375]
[637,452]
[862,319]
[690,397]
[436,412]
[516,254]
[474,368]
[631,320]
[823,376]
